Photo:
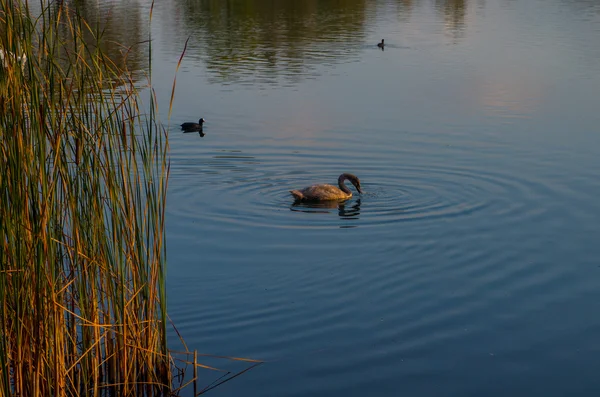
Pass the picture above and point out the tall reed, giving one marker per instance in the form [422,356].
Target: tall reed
[83,181]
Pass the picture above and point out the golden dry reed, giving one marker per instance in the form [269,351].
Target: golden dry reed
[83,182]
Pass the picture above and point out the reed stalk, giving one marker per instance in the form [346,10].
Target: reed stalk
[83,182]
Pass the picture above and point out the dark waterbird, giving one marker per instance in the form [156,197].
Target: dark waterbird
[193,127]
[328,192]
[381,45]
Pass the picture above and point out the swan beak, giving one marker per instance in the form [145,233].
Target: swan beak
[359,189]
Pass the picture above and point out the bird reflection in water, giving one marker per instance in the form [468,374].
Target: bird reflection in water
[346,209]
[199,133]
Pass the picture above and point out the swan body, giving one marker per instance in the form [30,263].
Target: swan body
[381,45]
[328,192]
[193,127]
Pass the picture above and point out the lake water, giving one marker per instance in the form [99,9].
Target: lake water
[470,265]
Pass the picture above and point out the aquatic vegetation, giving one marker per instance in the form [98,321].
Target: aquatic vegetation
[7,58]
[83,180]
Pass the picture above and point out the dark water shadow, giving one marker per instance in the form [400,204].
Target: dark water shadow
[346,209]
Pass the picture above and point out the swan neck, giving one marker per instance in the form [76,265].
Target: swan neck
[343,187]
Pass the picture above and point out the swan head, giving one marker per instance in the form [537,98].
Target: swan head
[353,179]
[357,186]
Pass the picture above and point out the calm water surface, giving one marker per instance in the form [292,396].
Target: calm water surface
[470,265]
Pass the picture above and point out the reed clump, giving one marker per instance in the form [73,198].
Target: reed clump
[83,181]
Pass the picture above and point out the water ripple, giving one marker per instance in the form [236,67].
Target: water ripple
[253,190]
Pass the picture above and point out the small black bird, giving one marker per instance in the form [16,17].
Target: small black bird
[381,45]
[193,127]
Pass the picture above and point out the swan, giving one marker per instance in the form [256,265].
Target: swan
[192,127]
[328,192]
[380,45]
